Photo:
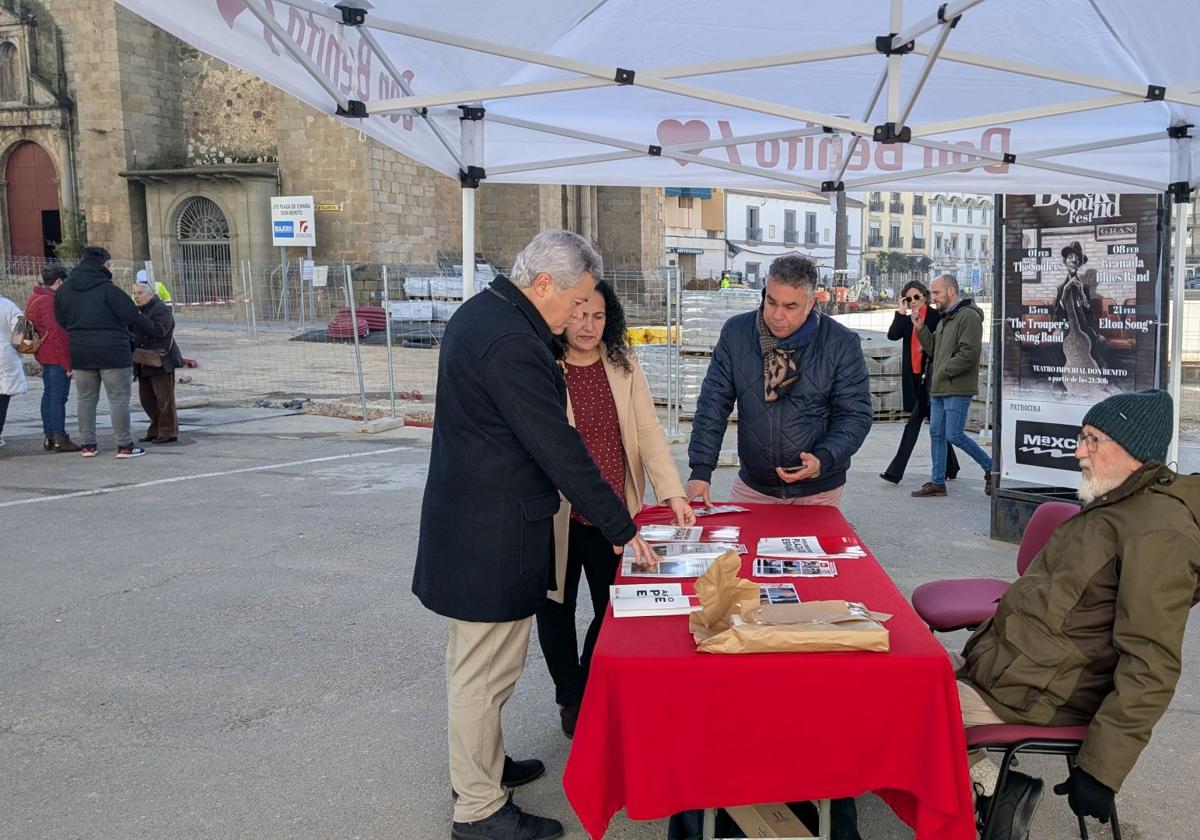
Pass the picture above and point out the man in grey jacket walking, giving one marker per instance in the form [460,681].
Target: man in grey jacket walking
[955,348]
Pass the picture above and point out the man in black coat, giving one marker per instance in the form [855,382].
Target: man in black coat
[99,319]
[800,383]
[502,451]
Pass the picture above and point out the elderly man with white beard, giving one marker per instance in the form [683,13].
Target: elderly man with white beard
[1092,633]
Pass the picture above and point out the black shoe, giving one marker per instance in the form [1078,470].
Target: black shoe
[569,715]
[148,438]
[509,823]
[1012,814]
[48,443]
[517,773]
[163,439]
[951,477]
[887,477]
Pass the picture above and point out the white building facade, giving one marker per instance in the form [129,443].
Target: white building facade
[763,225]
[962,240]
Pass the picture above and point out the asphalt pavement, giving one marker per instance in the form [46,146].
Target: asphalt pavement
[218,640]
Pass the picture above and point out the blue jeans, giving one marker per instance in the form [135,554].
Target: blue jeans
[947,424]
[56,387]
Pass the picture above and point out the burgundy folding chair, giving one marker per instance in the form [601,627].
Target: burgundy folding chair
[1013,738]
[965,603]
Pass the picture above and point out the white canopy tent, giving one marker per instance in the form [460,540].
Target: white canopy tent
[1009,96]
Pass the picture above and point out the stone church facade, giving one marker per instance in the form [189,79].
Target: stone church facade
[114,131]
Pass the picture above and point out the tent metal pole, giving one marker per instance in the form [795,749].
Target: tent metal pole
[893,66]
[923,76]
[492,94]
[1099,144]
[927,24]
[682,71]
[440,133]
[866,116]
[268,20]
[422,33]
[468,242]
[983,154]
[1175,93]
[1020,115]
[1177,320]
[808,183]
[580,160]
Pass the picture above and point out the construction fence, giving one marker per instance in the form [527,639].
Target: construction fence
[362,340]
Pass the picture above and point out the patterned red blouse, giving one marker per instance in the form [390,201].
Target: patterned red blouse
[596,420]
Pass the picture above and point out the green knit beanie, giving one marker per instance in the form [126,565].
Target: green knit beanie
[1140,421]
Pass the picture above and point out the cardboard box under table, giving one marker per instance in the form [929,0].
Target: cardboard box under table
[665,728]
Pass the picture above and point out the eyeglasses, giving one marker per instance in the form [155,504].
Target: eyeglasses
[1090,442]
[913,299]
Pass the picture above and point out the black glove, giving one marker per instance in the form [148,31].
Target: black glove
[1086,796]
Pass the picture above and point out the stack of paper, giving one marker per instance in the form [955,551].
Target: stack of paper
[812,548]
[635,600]
[694,533]
[770,567]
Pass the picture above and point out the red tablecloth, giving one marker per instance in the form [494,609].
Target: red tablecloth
[665,729]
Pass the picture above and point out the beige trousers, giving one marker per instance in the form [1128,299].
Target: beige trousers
[742,492]
[483,662]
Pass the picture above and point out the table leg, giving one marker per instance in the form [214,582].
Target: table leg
[824,819]
[709,830]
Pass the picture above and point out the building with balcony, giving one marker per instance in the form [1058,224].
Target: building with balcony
[761,225]
[963,237]
[897,223]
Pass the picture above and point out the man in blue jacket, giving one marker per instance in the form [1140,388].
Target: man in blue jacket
[800,383]
[502,451]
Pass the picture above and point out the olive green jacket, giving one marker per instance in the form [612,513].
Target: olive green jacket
[1093,631]
[955,347]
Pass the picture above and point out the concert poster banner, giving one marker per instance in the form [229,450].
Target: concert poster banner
[1084,318]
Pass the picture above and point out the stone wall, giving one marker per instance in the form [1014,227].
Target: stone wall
[631,227]
[229,116]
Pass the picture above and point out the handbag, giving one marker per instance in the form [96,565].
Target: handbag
[26,338]
[146,357]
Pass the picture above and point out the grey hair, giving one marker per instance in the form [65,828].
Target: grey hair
[561,254]
[950,280]
[149,287]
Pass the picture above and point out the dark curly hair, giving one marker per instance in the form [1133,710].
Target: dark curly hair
[915,284]
[616,334]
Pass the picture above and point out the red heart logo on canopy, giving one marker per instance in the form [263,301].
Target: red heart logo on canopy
[230,9]
[672,132]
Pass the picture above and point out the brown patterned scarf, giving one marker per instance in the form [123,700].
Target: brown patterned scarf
[779,366]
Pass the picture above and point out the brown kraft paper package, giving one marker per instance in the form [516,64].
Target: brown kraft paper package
[731,620]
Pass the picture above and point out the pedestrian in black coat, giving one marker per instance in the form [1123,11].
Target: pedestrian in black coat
[914,378]
[502,453]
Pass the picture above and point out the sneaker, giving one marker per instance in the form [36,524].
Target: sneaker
[1012,814]
[930,489]
[509,823]
[88,450]
[48,443]
[130,451]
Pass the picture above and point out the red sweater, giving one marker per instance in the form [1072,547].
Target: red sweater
[40,310]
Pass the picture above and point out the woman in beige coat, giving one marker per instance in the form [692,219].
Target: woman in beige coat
[608,402]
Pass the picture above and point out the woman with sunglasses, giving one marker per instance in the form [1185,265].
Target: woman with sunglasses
[609,404]
[914,367]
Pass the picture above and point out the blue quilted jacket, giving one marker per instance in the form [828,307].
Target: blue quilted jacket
[827,411]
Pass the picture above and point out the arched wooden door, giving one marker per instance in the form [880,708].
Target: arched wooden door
[34,223]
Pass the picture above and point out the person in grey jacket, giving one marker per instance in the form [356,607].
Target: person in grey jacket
[800,383]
